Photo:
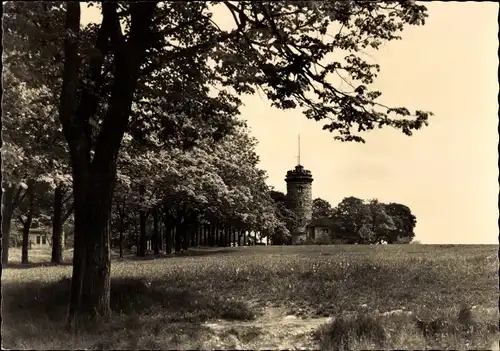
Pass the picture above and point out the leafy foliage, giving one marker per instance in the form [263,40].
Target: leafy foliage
[357,221]
[404,223]
[321,208]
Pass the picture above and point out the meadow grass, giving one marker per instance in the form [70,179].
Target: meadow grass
[161,303]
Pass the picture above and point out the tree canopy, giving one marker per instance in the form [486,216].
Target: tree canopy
[371,222]
[321,208]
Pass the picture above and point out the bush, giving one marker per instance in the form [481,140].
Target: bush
[308,241]
[15,238]
[343,332]
[324,240]
[337,241]
[281,236]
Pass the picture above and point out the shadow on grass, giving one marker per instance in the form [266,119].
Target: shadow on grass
[18,265]
[130,256]
[144,315]
[129,296]
[192,252]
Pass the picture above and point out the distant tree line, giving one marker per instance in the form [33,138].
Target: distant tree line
[353,221]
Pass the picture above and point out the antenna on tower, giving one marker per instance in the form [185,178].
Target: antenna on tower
[298,157]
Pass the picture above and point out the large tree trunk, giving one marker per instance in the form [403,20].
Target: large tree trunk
[211,235]
[26,238]
[141,249]
[93,181]
[161,231]
[227,236]
[121,227]
[168,240]
[185,233]
[27,222]
[97,282]
[168,232]
[8,204]
[57,226]
[156,233]
[217,235]
[121,242]
[179,229]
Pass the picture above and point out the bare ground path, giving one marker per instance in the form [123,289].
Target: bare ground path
[274,329]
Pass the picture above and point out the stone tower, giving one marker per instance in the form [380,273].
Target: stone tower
[299,193]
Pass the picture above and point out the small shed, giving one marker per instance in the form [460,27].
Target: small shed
[320,228]
[38,238]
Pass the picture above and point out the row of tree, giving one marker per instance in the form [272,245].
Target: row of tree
[215,183]
[101,111]
[182,174]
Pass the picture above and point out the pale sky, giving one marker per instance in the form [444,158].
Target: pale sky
[446,173]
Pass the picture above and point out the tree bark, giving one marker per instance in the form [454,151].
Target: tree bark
[8,204]
[57,226]
[121,227]
[161,232]
[26,239]
[186,235]
[211,234]
[178,235]
[227,238]
[156,233]
[30,193]
[97,273]
[168,232]
[141,249]
[197,240]
[218,239]
[168,240]
[121,242]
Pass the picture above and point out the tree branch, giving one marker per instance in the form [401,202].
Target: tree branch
[68,213]
[71,127]
[17,197]
[67,198]
[128,57]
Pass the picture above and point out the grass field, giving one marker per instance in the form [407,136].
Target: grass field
[341,296]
